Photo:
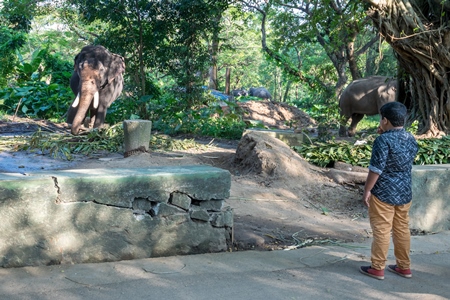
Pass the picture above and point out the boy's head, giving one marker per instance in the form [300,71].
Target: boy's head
[395,112]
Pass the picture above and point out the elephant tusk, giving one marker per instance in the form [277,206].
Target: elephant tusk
[96,96]
[76,101]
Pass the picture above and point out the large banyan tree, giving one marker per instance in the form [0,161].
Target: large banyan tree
[419,32]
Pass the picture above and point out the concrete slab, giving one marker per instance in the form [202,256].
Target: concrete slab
[96,215]
[119,186]
[316,272]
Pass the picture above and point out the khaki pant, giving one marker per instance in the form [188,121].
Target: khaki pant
[384,218]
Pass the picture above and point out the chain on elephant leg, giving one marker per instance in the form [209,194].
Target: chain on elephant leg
[87,122]
[140,149]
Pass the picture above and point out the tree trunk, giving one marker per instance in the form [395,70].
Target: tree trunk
[213,84]
[213,77]
[227,80]
[420,37]
[352,64]
[286,92]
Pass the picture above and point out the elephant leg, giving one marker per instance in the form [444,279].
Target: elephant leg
[100,116]
[74,85]
[342,126]
[355,120]
[92,118]
[71,114]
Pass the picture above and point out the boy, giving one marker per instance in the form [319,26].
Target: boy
[387,192]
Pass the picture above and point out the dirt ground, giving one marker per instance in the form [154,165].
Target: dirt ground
[279,200]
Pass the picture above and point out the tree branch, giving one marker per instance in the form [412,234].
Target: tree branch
[277,57]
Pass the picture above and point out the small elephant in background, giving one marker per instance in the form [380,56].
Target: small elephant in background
[364,97]
[97,80]
[259,92]
[239,92]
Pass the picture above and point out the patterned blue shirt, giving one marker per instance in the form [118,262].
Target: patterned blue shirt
[393,153]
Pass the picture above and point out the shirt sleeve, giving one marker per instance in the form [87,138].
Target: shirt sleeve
[380,151]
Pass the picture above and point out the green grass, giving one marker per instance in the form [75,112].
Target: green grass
[368,123]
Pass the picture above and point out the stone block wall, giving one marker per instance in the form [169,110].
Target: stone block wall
[430,208]
[98,215]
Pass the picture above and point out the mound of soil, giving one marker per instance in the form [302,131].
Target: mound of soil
[277,115]
[279,199]
[262,155]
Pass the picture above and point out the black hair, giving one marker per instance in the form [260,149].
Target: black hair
[395,112]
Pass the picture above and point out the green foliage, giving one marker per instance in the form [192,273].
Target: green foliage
[165,142]
[95,141]
[65,146]
[325,114]
[170,117]
[368,124]
[11,41]
[55,68]
[18,14]
[325,153]
[123,109]
[29,70]
[431,151]
[229,126]
[36,99]
[240,51]
[15,20]
[165,37]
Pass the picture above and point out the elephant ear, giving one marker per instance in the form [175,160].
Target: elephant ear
[116,68]
[75,65]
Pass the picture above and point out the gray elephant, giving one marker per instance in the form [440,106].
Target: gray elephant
[364,97]
[239,93]
[97,80]
[259,92]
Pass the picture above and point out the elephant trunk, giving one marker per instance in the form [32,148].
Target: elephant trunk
[85,100]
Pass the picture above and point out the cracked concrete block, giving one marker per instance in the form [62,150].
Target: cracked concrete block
[141,204]
[181,200]
[119,187]
[14,186]
[217,219]
[165,210]
[200,214]
[212,205]
[80,216]
[228,217]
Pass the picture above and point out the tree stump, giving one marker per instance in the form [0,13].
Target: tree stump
[137,135]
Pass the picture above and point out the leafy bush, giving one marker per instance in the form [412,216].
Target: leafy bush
[431,151]
[122,109]
[325,154]
[36,99]
[216,123]
[171,117]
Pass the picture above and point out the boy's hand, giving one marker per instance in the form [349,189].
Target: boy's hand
[366,198]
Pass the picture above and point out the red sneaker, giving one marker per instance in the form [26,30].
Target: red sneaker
[404,273]
[377,274]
